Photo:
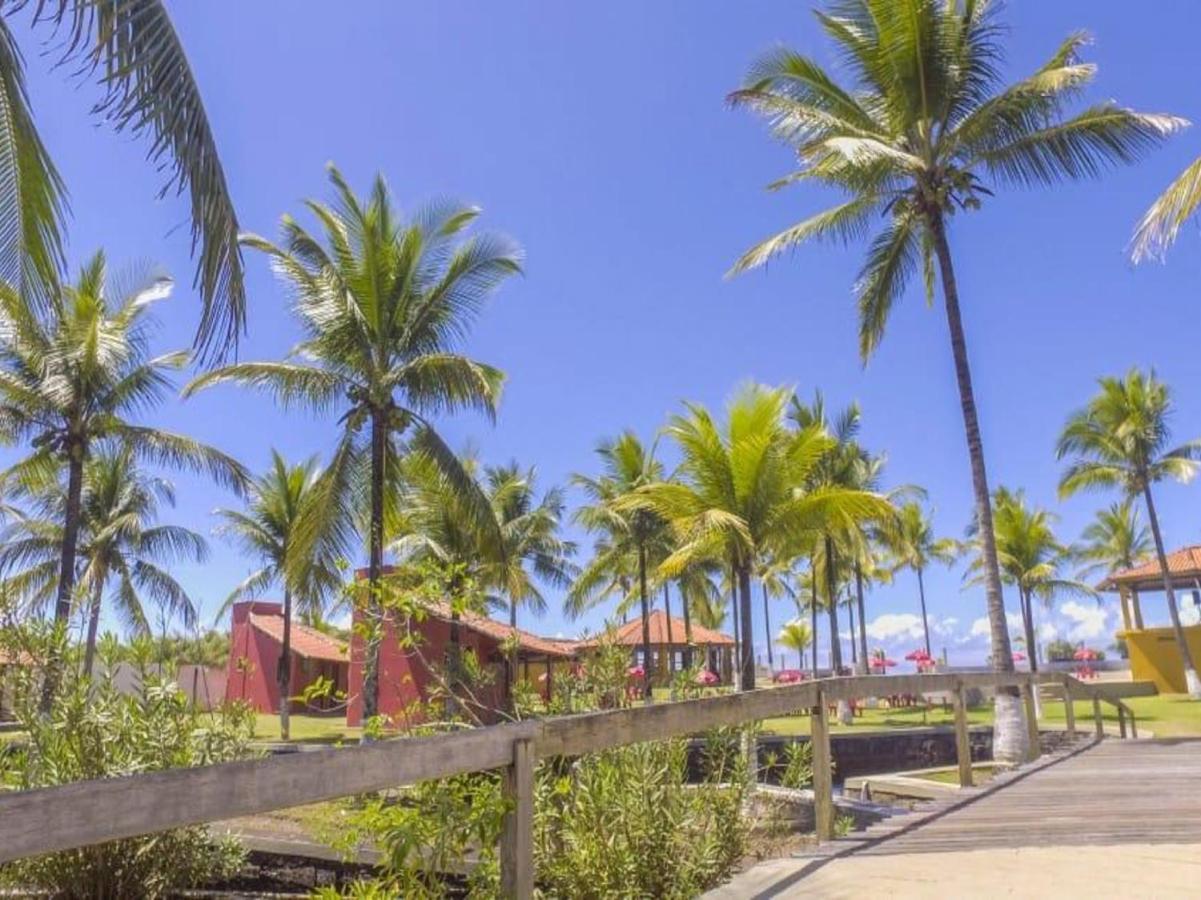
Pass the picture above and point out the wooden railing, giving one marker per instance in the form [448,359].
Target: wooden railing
[91,812]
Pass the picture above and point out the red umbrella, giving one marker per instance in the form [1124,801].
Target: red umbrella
[1086,653]
[705,677]
[881,662]
[636,672]
[1018,655]
[789,676]
[917,655]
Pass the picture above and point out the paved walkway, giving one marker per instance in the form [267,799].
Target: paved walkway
[1112,819]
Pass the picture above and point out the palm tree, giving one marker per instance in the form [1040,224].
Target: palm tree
[1161,223]
[742,493]
[382,305]
[147,88]
[796,636]
[1032,559]
[532,550]
[1116,539]
[69,381]
[118,540]
[775,580]
[633,535]
[266,529]
[1121,439]
[923,130]
[912,544]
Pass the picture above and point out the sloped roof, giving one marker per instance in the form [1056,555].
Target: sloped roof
[531,643]
[1184,566]
[630,633]
[307,642]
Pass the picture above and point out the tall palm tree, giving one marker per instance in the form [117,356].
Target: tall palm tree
[1120,439]
[532,550]
[1032,560]
[775,581]
[1160,225]
[912,544]
[266,529]
[72,377]
[120,546]
[796,635]
[132,51]
[921,129]
[1116,539]
[634,535]
[742,493]
[382,305]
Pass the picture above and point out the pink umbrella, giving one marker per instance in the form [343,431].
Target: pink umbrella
[705,677]
[789,676]
[1086,653]
[917,655]
[636,672]
[1018,656]
[881,662]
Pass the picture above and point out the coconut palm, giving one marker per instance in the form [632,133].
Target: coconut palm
[532,551]
[921,129]
[266,529]
[121,547]
[1161,223]
[912,545]
[134,54]
[634,536]
[1120,439]
[1032,560]
[1116,539]
[796,635]
[775,581]
[382,305]
[742,493]
[72,377]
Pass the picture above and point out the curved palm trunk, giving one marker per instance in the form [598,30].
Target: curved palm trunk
[66,570]
[648,667]
[89,653]
[771,663]
[921,596]
[862,667]
[283,669]
[747,665]
[687,629]
[813,613]
[1011,740]
[671,644]
[375,564]
[1192,684]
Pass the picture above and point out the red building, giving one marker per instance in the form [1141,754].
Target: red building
[407,673]
[256,641]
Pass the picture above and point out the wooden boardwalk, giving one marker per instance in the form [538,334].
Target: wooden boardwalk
[1111,818]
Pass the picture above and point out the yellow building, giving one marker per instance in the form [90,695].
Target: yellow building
[1154,653]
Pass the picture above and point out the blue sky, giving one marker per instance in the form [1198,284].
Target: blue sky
[598,137]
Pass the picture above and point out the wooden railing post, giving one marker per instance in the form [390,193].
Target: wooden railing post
[1069,708]
[963,746]
[1133,724]
[823,780]
[1100,722]
[1121,722]
[1032,719]
[517,836]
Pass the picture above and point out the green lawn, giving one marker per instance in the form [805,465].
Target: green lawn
[980,775]
[306,729]
[871,719]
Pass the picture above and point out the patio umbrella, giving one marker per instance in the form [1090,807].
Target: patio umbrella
[705,677]
[1018,656]
[881,662]
[789,676]
[636,672]
[1086,653]
[917,655]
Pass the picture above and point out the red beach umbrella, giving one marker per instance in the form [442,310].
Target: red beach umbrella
[1085,653]
[917,655]
[705,677]
[636,672]
[1018,656]
[788,676]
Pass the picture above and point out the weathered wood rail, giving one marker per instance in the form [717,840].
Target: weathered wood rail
[91,812]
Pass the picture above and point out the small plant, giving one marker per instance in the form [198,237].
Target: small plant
[94,731]
[798,765]
[843,825]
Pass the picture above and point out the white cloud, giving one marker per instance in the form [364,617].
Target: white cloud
[1088,621]
[892,627]
[1047,632]
[979,628]
[945,627]
[1190,614]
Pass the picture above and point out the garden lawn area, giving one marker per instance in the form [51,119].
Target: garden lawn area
[875,719]
[980,775]
[305,729]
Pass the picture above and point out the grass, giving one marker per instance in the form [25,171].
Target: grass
[306,729]
[873,719]
[980,774]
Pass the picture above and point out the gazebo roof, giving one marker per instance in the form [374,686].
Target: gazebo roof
[630,634]
[1184,569]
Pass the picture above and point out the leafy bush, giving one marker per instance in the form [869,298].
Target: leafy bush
[94,731]
[1060,651]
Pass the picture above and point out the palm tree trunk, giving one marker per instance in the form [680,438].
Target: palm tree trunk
[862,667]
[854,648]
[1028,625]
[671,644]
[1192,684]
[737,617]
[921,594]
[375,565]
[648,667]
[813,612]
[66,570]
[1011,740]
[747,666]
[771,663]
[687,629]
[89,653]
[832,609]
[283,670]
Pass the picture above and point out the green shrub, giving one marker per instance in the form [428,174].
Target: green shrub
[93,731]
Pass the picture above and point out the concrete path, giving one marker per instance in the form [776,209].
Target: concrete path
[1112,819]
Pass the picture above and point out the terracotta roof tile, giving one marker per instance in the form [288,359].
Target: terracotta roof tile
[630,633]
[307,642]
[1185,563]
[531,643]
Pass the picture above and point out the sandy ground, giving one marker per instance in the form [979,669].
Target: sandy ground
[1140,871]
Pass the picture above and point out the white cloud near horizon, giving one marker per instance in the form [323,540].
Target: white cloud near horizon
[1088,621]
